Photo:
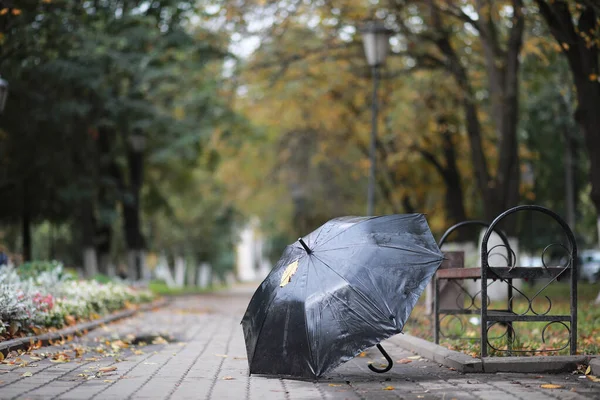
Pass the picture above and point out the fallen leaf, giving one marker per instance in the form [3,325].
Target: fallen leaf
[149,363]
[159,340]
[389,388]
[404,361]
[35,358]
[363,354]
[593,378]
[228,378]
[334,384]
[588,370]
[27,374]
[91,359]
[107,381]
[221,355]
[550,386]
[414,357]
[107,369]
[138,352]
[1,356]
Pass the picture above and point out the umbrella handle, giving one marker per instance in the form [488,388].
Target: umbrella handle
[387,357]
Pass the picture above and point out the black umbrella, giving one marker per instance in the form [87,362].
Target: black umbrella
[338,291]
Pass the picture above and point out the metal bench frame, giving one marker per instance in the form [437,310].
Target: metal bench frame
[506,274]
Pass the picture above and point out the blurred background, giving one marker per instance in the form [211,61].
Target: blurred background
[187,142]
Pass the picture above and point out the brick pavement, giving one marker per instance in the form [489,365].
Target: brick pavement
[204,357]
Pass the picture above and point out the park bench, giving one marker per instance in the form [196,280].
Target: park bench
[458,301]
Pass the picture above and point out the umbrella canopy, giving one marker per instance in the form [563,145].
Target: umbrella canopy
[343,288]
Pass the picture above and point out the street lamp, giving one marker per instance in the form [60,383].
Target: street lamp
[376,41]
[3,94]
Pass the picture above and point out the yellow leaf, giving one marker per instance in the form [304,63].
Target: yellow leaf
[159,340]
[363,354]
[288,273]
[414,357]
[1,356]
[389,388]
[179,113]
[588,370]
[334,384]
[565,46]
[227,378]
[593,378]
[27,374]
[4,11]
[593,77]
[550,386]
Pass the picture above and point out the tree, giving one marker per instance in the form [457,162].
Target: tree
[105,92]
[575,26]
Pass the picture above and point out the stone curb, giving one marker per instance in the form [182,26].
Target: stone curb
[595,365]
[46,338]
[467,364]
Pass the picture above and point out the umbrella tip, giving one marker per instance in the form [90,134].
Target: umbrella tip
[308,251]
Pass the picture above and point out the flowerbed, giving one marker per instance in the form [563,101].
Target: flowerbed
[42,295]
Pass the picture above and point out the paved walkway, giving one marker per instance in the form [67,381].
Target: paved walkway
[194,349]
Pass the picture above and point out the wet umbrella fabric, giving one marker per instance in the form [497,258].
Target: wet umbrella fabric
[341,289]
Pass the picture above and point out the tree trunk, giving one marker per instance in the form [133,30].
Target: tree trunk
[26,223]
[455,205]
[109,189]
[90,259]
[131,215]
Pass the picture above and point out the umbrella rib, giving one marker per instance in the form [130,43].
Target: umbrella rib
[312,358]
[362,295]
[345,230]
[426,250]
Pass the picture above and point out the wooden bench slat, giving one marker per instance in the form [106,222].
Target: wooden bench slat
[502,273]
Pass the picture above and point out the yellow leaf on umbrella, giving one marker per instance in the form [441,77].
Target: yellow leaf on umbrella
[550,386]
[288,273]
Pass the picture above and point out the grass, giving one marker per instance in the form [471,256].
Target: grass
[161,288]
[528,335]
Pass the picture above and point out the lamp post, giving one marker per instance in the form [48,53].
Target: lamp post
[376,42]
[3,94]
